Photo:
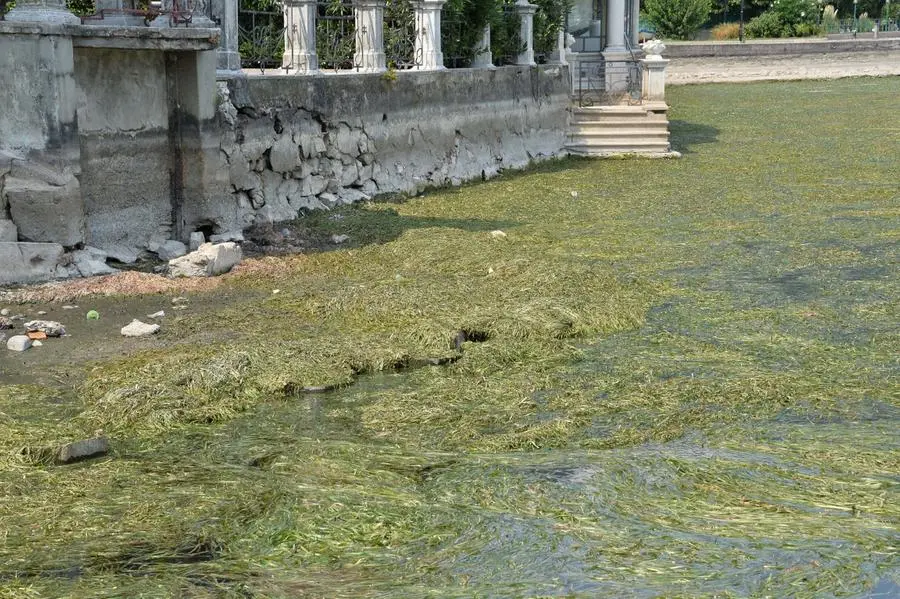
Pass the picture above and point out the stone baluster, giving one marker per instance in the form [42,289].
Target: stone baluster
[300,37]
[526,31]
[369,20]
[483,57]
[428,34]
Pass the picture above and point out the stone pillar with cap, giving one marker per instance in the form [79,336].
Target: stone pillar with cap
[654,72]
[526,31]
[300,37]
[483,57]
[428,34]
[369,20]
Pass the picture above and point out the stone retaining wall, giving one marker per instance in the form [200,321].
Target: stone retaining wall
[302,143]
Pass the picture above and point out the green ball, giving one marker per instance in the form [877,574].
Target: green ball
[93,315]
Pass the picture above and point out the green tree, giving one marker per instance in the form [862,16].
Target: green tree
[678,19]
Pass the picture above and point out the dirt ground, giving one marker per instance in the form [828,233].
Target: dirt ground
[770,68]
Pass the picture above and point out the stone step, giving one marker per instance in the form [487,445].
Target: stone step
[661,151]
[28,262]
[619,143]
[619,132]
[618,121]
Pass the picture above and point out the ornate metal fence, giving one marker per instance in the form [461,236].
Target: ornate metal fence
[400,35]
[336,35]
[261,34]
[604,82]
[506,37]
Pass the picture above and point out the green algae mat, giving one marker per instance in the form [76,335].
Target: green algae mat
[663,379]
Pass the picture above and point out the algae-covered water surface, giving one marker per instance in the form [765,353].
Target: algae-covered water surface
[666,378]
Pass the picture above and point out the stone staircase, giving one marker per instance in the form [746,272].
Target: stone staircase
[620,130]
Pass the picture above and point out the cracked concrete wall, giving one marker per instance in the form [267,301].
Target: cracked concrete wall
[123,124]
[294,143]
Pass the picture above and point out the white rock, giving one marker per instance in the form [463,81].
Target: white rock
[4,312]
[209,260]
[139,329]
[197,239]
[338,239]
[171,249]
[236,236]
[159,314]
[498,234]
[36,343]
[18,343]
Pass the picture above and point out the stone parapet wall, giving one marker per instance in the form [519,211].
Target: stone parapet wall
[779,47]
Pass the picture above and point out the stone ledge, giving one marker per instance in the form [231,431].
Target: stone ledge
[128,38]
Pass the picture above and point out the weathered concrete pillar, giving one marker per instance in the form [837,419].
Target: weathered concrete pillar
[225,14]
[428,34]
[483,57]
[300,37]
[526,31]
[39,129]
[191,82]
[369,20]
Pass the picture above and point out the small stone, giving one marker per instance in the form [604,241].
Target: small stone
[41,312]
[50,327]
[179,300]
[276,291]
[36,343]
[197,239]
[159,314]
[5,323]
[236,236]
[171,249]
[18,343]
[574,194]
[136,328]
[69,307]
[82,449]
[498,234]
[339,239]
[4,312]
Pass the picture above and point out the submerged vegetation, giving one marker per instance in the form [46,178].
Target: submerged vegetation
[667,378]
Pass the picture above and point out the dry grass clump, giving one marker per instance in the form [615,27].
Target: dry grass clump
[726,31]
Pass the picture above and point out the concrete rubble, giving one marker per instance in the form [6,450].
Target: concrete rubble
[209,260]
